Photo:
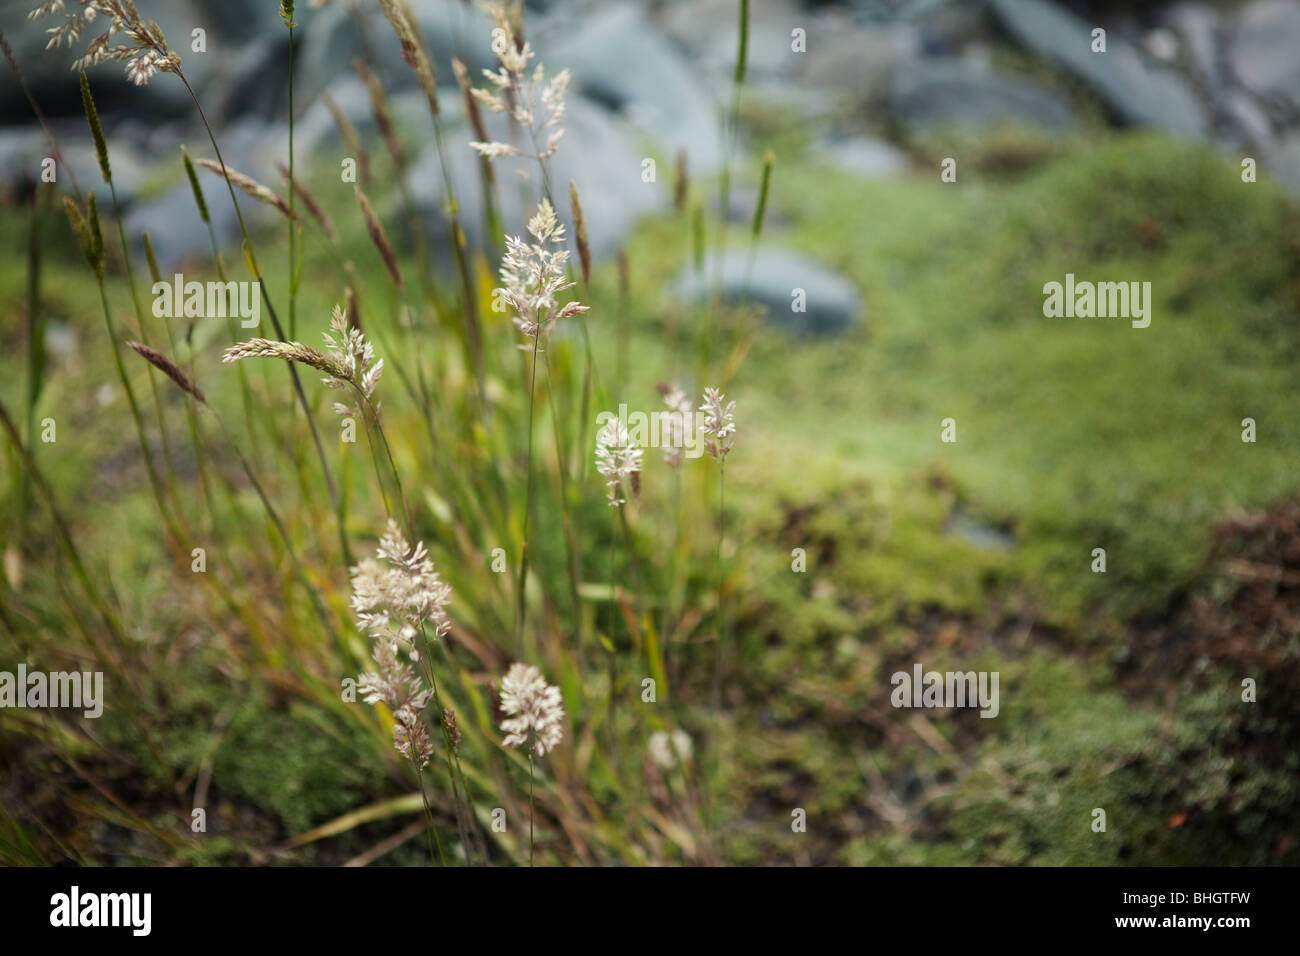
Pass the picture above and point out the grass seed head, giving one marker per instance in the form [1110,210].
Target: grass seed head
[534,710]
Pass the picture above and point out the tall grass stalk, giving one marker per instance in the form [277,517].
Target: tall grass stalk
[101,153]
[92,244]
[521,592]
[760,209]
[191,417]
[275,321]
[41,199]
[570,543]
[286,14]
[730,136]
[245,390]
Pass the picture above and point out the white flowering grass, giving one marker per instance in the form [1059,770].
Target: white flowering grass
[720,437]
[618,461]
[399,600]
[533,275]
[145,51]
[465,456]
[535,103]
[349,364]
[534,713]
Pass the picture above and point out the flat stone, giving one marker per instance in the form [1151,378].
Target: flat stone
[957,92]
[1264,46]
[865,156]
[1138,90]
[620,59]
[832,305]
[596,153]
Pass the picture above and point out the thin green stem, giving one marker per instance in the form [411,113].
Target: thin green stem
[722,617]
[531,811]
[293,218]
[275,321]
[528,507]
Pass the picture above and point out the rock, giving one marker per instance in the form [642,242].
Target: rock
[258,83]
[1263,49]
[618,58]
[831,303]
[1285,163]
[243,20]
[708,30]
[1198,25]
[1137,90]
[1248,121]
[954,92]
[851,62]
[596,153]
[865,156]
[23,148]
[177,233]
[248,145]
[331,40]
[977,534]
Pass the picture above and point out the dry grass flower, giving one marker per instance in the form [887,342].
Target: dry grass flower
[309,200]
[403,692]
[719,424]
[453,732]
[145,54]
[534,709]
[617,459]
[350,361]
[412,50]
[533,274]
[667,750]
[580,227]
[379,237]
[350,137]
[396,596]
[168,368]
[532,101]
[250,186]
[679,422]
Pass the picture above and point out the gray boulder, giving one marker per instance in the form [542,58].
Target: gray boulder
[171,219]
[24,148]
[1137,90]
[332,39]
[774,279]
[177,233]
[865,156]
[1199,27]
[958,92]
[596,153]
[620,59]
[1263,49]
